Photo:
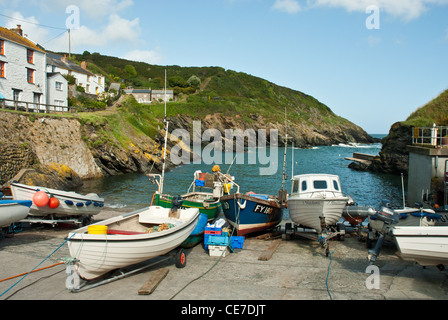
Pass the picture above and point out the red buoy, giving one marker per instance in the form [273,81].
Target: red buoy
[54,203]
[41,199]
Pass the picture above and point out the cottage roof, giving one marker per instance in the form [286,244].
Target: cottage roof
[6,34]
[56,60]
[54,74]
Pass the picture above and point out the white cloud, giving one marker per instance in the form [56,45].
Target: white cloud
[148,56]
[118,32]
[288,6]
[405,9]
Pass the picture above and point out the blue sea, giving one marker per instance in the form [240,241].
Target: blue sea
[134,191]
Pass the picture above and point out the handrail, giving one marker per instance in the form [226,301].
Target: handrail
[35,107]
[435,136]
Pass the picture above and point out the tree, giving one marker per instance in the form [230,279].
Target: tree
[177,81]
[194,81]
[130,70]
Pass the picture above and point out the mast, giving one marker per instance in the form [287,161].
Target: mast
[284,157]
[166,141]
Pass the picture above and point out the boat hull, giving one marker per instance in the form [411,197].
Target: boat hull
[306,212]
[100,254]
[12,211]
[428,246]
[248,214]
[69,202]
[209,208]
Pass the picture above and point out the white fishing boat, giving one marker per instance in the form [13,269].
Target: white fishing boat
[128,239]
[316,196]
[428,246]
[12,211]
[68,204]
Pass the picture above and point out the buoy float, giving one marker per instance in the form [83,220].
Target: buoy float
[54,203]
[41,199]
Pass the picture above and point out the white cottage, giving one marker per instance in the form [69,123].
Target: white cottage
[57,95]
[92,83]
[23,74]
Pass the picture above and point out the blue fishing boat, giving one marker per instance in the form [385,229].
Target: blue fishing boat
[249,213]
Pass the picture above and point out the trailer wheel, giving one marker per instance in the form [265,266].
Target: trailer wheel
[181,259]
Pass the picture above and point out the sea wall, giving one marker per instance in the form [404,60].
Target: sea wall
[13,158]
[51,140]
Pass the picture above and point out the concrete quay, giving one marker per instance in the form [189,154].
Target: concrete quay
[298,270]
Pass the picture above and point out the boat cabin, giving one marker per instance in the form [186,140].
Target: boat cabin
[309,184]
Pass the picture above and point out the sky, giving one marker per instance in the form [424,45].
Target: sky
[373,62]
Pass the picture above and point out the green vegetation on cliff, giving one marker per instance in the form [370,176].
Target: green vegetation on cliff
[435,111]
[205,90]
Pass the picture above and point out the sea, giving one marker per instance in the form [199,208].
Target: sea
[129,192]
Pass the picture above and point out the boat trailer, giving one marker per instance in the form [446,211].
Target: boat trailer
[80,221]
[292,231]
[75,284]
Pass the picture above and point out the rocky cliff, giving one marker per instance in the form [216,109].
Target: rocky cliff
[92,147]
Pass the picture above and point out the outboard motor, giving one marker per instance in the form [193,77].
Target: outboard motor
[176,204]
[385,203]
[388,217]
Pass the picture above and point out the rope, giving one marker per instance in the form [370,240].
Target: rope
[1,295]
[328,273]
[214,265]
[22,274]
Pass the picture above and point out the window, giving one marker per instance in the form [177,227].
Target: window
[30,75]
[304,186]
[16,94]
[335,185]
[2,69]
[2,47]
[320,184]
[58,85]
[30,56]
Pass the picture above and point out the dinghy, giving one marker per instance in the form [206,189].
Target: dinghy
[12,211]
[428,246]
[56,202]
[129,239]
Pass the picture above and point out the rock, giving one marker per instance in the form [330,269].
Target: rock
[54,176]
[394,158]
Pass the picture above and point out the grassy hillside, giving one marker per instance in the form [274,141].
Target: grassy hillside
[435,111]
[204,90]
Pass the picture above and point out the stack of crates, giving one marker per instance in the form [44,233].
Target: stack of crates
[211,231]
[217,241]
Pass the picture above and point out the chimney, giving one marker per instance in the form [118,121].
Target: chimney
[84,65]
[18,30]
[64,59]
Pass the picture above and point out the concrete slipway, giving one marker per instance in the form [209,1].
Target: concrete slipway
[298,270]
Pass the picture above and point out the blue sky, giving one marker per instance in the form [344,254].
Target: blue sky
[373,77]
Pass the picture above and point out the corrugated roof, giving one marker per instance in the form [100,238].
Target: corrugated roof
[10,35]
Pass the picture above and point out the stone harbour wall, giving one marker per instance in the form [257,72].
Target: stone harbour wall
[13,158]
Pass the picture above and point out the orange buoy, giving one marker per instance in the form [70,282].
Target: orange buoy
[41,199]
[53,203]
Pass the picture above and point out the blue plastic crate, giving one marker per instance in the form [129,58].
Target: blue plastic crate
[237,242]
[218,241]
[212,230]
